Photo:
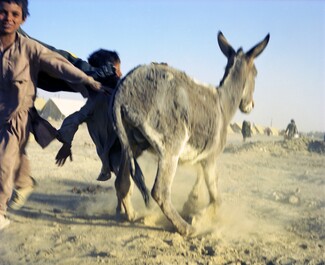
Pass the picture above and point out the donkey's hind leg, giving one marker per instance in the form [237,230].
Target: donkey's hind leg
[124,188]
[124,203]
[161,193]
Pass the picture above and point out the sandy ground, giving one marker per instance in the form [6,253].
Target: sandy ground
[272,211]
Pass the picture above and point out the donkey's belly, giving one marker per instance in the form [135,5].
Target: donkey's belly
[191,155]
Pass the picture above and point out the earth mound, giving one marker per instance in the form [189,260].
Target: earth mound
[302,144]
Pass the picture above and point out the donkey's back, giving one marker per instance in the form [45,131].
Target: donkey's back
[160,102]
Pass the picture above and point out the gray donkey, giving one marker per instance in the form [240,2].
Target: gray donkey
[158,107]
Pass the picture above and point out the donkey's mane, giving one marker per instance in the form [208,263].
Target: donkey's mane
[234,64]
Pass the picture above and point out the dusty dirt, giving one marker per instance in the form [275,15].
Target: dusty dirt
[272,210]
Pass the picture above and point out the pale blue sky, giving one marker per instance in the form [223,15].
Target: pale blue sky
[291,70]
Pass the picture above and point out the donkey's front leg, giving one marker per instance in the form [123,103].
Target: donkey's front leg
[211,180]
[191,206]
[161,193]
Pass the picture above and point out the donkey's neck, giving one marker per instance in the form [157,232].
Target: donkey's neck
[231,89]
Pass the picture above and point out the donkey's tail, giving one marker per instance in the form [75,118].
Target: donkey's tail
[128,158]
[138,179]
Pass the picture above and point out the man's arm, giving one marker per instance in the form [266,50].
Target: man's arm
[48,83]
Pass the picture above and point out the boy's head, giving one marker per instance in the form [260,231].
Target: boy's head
[22,3]
[102,57]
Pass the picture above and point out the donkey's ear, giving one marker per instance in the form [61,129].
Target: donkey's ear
[258,48]
[225,47]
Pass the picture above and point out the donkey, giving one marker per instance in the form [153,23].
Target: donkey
[162,108]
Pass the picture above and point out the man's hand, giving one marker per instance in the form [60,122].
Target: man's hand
[63,154]
[97,86]
[93,84]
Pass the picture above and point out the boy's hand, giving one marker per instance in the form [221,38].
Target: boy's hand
[63,154]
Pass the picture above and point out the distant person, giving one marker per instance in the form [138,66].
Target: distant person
[268,131]
[246,130]
[21,60]
[291,130]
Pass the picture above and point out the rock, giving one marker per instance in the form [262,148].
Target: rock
[278,196]
[293,199]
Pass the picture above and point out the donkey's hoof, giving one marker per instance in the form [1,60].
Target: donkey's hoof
[188,231]
[191,232]
[131,216]
[195,219]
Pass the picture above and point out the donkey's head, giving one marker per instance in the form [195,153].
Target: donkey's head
[247,71]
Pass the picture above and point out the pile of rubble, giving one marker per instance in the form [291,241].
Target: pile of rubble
[302,144]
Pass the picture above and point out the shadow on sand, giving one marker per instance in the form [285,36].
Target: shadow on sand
[68,206]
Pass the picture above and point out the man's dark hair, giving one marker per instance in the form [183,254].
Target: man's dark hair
[22,3]
[101,57]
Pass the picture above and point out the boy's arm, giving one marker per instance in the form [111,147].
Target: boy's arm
[70,126]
